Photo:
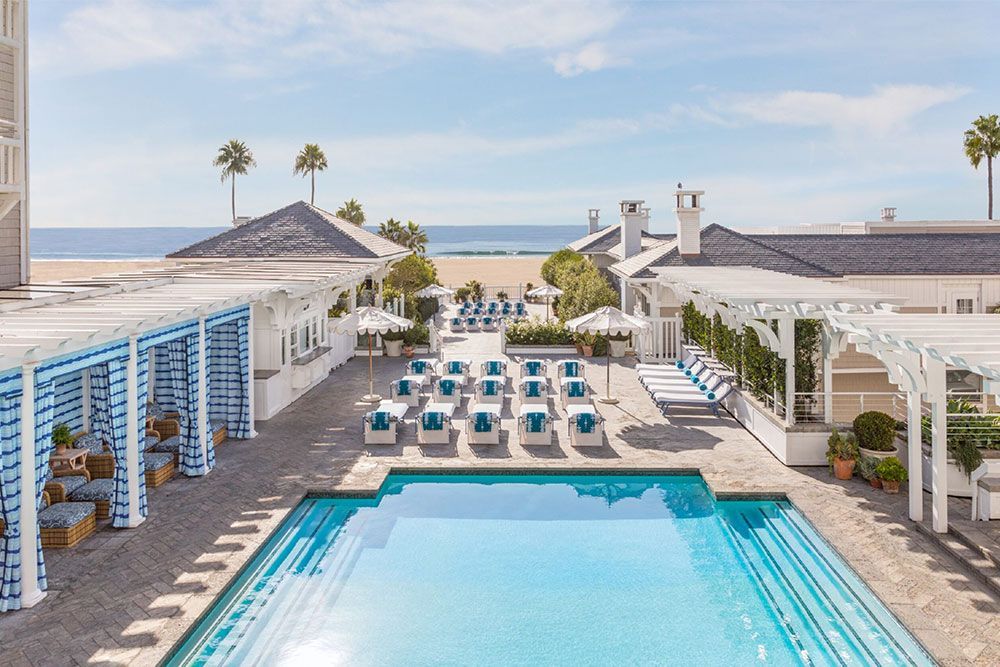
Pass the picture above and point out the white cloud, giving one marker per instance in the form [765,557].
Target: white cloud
[886,109]
[591,58]
[120,34]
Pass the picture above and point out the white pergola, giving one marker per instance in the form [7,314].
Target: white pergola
[46,322]
[916,350]
[750,297]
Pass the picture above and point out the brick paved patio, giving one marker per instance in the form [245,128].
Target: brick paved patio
[125,596]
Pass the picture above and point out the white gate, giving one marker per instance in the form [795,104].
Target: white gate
[663,342]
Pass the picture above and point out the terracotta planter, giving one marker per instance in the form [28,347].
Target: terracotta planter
[579,348]
[843,469]
[588,350]
[890,486]
[408,351]
[60,449]
[875,482]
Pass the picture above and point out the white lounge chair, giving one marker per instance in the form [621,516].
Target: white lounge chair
[380,424]
[424,367]
[533,390]
[686,385]
[447,390]
[482,425]
[570,368]
[533,368]
[472,323]
[986,490]
[709,400]
[696,368]
[586,426]
[406,390]
[490,390]
[493,368]
[534,425]
[434,424]
[455,368]
[488,323]
[457,324]
[573,391]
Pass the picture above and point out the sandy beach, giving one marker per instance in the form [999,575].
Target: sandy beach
[452,271]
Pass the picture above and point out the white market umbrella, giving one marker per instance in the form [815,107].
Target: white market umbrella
[434,292]
[608,321]
[546,291]
[372,320]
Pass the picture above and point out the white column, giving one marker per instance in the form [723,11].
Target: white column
[934,371]
[250,370]
[132,432]
[31,594]
[203,434]
[786,336]
[85,380]
[827,389]
[914,462]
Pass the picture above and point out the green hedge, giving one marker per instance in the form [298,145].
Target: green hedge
[537,332]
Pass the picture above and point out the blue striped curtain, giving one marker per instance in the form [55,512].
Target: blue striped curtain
[44,403]
[109,397]
[163,386]
[142,373]
[210,449]
[184,374]
[10,505]
[229,362]
[69,400]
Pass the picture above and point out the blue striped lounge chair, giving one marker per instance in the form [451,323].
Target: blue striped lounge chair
[490,390]
[457,324]
[573,391]
[447,390]
[534,425]
[380,425]
[586,426]
[479,305]
[405,391]
[63,525]
[482,425]
[472,324]
[423,367]
[520,310]
[570,368]
[534,390]
[456,368]
[489,323]
[493,368]
[463,311]
[533,368]
[434,424]
[467,305]
[506,308]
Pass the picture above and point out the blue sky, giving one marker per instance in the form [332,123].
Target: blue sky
[509,112]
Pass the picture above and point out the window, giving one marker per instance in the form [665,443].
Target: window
[965,306]
[315,332]
[284,346]
[294,344]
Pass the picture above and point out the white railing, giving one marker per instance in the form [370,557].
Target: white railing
[10,154]
[811,408]
[490,292]
[11,16]
[663,342]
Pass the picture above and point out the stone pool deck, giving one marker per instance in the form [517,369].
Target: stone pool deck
[126,596]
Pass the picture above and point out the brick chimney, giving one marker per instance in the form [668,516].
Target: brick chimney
[634,221]
[688,210]
[595,219]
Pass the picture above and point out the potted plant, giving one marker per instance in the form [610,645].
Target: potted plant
[501,295]
[62,437]
[585,343]
[842,454]
[892,473]
[393,343]
[527,288]
[866,467]
[462,294]
[876,433]
[617,343]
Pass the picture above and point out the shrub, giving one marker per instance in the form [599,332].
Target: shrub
[394,335]
[876,431]
[418,334]
[584,291]
[866,466]
[62,436]
[501,295]
[841,447]
[426,307]
[462,294]
[475,290]
[411,274]
[557,262]
[891,470]
[537,332]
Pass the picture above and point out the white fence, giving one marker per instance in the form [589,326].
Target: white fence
[663,342]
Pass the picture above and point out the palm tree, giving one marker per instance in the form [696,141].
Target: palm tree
[235,158]
[983,141]
[352,212]
[416,238]
[310,160]
[393,230]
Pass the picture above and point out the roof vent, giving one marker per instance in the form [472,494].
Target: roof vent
[241,220]
[889,214]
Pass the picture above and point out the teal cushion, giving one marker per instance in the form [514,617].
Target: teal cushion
[493,368]
[535,422]
[533,368]
[432,421]
[403,388]
[99,489]
[65,515]
[571,369]
[483,422]
[576,389]
[532,389]
[157,460]
[446,387]
[379,420]
[585,422]
[418,366]
[455,368]
[490,387]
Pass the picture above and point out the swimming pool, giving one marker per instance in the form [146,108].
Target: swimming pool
[547,570]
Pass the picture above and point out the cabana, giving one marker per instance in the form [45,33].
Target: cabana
[916,351]
[80,354]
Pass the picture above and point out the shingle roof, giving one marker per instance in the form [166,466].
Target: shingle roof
[599,241]
[297,230]
[721,246]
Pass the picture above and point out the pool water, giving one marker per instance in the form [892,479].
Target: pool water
[503,570]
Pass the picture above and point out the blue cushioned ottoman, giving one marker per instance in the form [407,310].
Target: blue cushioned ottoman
[64,524]
[159,468]
[100,492]
[171,445]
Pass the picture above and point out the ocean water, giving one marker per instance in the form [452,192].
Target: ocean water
[532,570]
[155,242]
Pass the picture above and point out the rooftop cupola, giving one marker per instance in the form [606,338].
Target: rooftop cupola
[687,207]
[594,216]
[634,221]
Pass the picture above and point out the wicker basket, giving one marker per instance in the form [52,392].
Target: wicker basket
[154,478]
[220,436]
[167,428]
[103,508]
[62,538]
[101,466]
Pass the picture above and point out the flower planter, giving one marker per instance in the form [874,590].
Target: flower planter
[843,469]
[393,348]
[588,350]
[875,482]
[890,486]
[408,351]
[616,348]
[875,454]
